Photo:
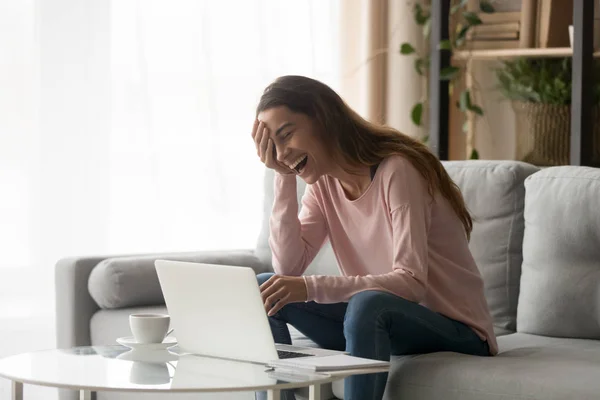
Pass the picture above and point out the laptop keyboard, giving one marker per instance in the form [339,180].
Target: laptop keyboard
[290,354]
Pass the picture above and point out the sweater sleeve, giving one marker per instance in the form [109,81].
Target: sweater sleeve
[295,238]
[409,205]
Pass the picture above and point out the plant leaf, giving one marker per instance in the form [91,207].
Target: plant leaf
[425,139]
[416,114]
[448,73]
[445,45]
[476,109]
[406,48]
[465,101]
[420,15]
[486,6]
[462,31]
[465,127]
[462,35]
[474,155]
[472,18]
[546,81]
[427,28]
[421,64]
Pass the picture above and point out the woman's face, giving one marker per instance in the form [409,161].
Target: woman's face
[298,142]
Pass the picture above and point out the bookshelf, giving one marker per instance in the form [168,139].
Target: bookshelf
[468,56]
[581,141]
[514,53]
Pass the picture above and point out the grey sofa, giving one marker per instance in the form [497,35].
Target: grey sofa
[536,240]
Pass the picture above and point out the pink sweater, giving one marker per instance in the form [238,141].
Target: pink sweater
[393,238]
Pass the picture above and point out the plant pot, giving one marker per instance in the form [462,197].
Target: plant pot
[544,130]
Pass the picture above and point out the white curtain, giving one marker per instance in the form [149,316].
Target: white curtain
[125,128]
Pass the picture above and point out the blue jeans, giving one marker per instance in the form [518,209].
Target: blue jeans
[374,325]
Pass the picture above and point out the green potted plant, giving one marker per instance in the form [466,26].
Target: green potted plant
[464,21]
[540,93]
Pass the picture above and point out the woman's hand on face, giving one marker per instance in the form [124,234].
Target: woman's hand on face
[280,290]
[266,149]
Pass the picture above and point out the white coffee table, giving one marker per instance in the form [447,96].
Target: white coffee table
[116,368]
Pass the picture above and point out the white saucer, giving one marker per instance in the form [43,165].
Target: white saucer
[130,342]
[152,356]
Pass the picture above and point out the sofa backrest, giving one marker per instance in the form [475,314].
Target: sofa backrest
[560,284]
[494,194]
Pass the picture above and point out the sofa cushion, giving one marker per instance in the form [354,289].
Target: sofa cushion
[494,194]
[560,284]
[527,367]
[121,282]
[132,281]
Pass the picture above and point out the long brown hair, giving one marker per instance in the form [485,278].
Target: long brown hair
[358,141]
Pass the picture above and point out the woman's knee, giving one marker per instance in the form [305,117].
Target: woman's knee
[365,303]
[262,278]
[366,310]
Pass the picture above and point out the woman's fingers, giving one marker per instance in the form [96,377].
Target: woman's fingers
[269,161]
[269,287]
[264,140]
[264,288]
[265,148]
[279,305]
[274,298]
[258,137]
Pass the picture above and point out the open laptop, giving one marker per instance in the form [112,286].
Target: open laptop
[217,311]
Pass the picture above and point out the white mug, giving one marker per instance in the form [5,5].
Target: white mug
[149,328]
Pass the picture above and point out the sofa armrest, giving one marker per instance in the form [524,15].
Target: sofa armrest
[75,305]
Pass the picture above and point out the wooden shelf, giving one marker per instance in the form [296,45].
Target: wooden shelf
[514,53]
[582,120]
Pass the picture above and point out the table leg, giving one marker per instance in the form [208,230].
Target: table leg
[85,395]
[314,392]
[17,390]
[274,394]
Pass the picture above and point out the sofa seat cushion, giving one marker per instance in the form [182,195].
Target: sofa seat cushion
[527,367]
[298,339]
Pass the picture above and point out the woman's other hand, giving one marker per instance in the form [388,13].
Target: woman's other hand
[265,148]
[280,290]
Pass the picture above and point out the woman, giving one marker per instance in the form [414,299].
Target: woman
[396,221]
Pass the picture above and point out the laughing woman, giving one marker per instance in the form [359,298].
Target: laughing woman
[398,226]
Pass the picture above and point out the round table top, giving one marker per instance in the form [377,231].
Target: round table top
[117,368]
